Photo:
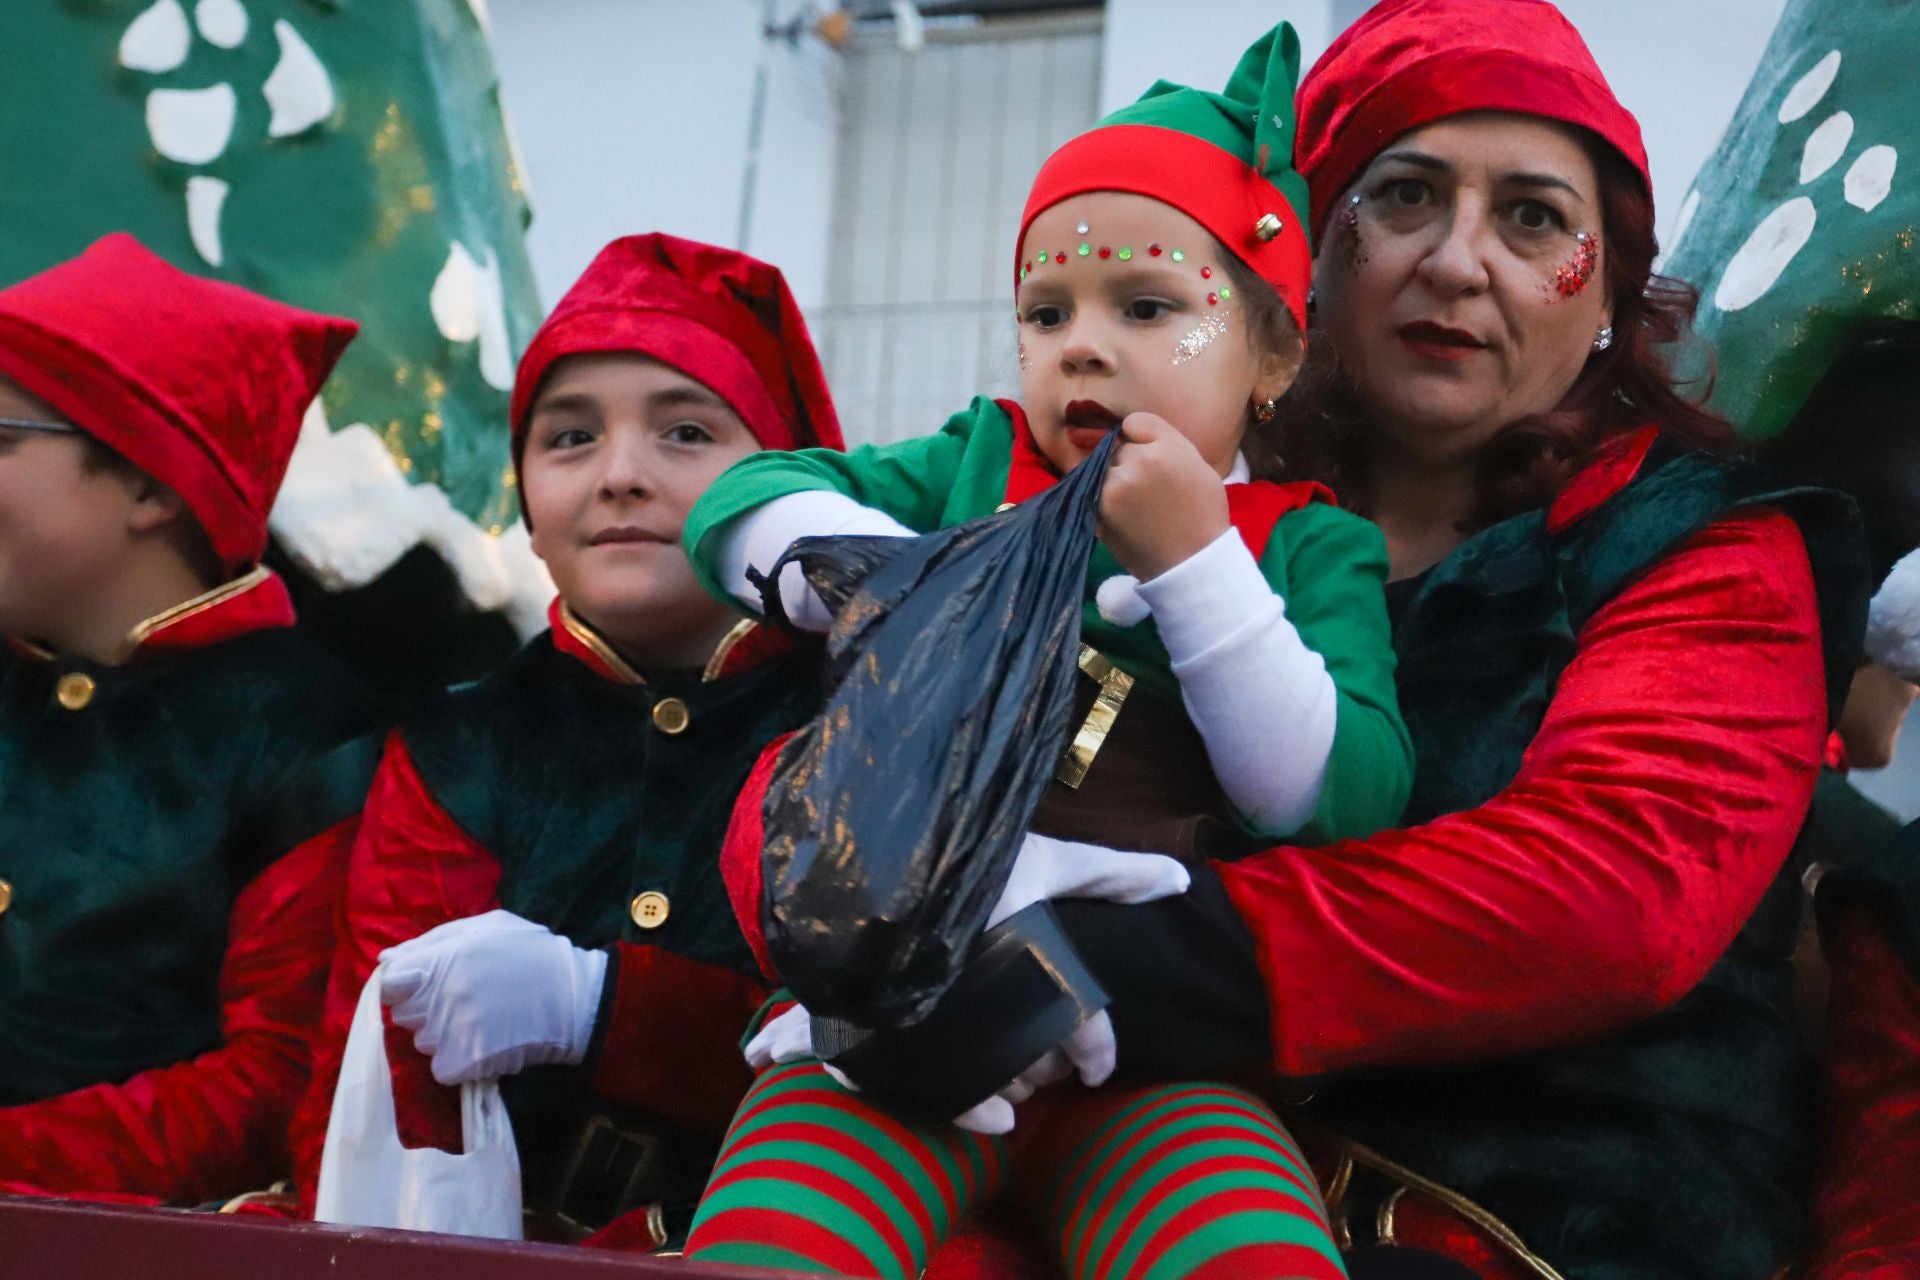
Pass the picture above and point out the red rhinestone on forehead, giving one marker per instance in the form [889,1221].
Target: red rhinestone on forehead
[1105,252]
[1206,273]
[1213,299]
[1060,258]
[1154,250]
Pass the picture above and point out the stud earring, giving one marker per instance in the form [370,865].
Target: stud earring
[1266,410]
[1603,339]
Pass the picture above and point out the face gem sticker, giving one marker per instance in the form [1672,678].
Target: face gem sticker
[1200,337]
[1351,251]
[1571,280]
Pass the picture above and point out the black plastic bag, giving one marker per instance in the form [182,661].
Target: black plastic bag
[893,821]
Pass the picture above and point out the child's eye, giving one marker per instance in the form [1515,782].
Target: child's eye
[568,437]
[1046,315]
[688,433]
[1534,215]
[1149,308]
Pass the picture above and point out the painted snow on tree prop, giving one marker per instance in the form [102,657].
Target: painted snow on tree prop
[351,159]
[1803,224]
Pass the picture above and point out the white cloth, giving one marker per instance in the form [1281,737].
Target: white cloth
[493,994]
[1260,698]
[757,539]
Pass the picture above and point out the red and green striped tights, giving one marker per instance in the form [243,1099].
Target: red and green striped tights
[1174,1182]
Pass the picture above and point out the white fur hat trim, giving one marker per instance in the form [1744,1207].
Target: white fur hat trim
[1119,601]
[1893,620]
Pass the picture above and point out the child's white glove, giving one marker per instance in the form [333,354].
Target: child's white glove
[1090,1051]
[1046,868]
[493,994]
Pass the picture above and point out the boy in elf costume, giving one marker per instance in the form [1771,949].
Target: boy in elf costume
[537,869]
[179,769]
[1237,625]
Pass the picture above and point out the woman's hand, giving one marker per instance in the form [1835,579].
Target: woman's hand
[493,994]
[1163,502]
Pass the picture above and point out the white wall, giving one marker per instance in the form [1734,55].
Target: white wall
[634,115]
[1196,42]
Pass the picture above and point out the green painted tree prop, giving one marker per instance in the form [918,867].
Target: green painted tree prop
[1801,229]
[345,155]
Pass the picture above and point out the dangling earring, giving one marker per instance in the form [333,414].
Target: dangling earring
[1603,339]
[1266,410]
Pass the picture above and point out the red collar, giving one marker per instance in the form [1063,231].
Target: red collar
[746,646]
[257,601]
[1612,467]
[1252,508]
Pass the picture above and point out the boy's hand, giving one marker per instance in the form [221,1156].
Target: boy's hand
[1163,502]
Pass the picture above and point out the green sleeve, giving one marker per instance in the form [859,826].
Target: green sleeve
[1333,576]
[909,481]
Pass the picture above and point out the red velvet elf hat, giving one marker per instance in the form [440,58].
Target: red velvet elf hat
[1408,63]
[725,320]
[1223,159]
[201,385]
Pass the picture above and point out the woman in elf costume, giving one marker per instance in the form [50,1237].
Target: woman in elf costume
[1548,1030]
[537,867]
[1161,282]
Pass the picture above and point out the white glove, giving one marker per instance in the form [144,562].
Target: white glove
[492,994]
[1090,1051]
[1047,868]
[757,539]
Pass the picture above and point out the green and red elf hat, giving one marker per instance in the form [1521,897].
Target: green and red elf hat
[724,319]
[1407,63]
[201,385]
[1224,159]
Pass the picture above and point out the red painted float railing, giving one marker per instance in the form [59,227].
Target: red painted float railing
[69,1240]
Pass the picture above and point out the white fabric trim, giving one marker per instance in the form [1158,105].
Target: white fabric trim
[758,538]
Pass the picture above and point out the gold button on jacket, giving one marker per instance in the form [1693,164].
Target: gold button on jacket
[650,909]
[670,716]
[6,896]
[75,690]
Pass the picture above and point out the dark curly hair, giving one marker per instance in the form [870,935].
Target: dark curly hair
[1630,385]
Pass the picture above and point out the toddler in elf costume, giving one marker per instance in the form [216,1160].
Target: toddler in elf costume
[538,862]
[1237,624]
[179,769]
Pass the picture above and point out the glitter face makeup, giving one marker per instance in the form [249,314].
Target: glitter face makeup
[1200,337]
[1570,281]
[1022,349]
[1352,253]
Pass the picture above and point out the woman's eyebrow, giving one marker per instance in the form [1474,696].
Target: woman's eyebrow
[1418,159]
[1521,179]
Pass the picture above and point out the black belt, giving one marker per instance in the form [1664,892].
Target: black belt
[617,1164]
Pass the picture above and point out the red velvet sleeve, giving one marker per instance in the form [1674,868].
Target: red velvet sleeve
[1867,1201]
[671,1043]
[1658,800]
[411,868]
[740,851]
[215,1125]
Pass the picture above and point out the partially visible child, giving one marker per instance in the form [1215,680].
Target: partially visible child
[538,865]
[179,769]
[1239,685]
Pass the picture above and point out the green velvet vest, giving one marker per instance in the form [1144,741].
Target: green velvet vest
[130,824]
[586,803]
[1677,1148]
